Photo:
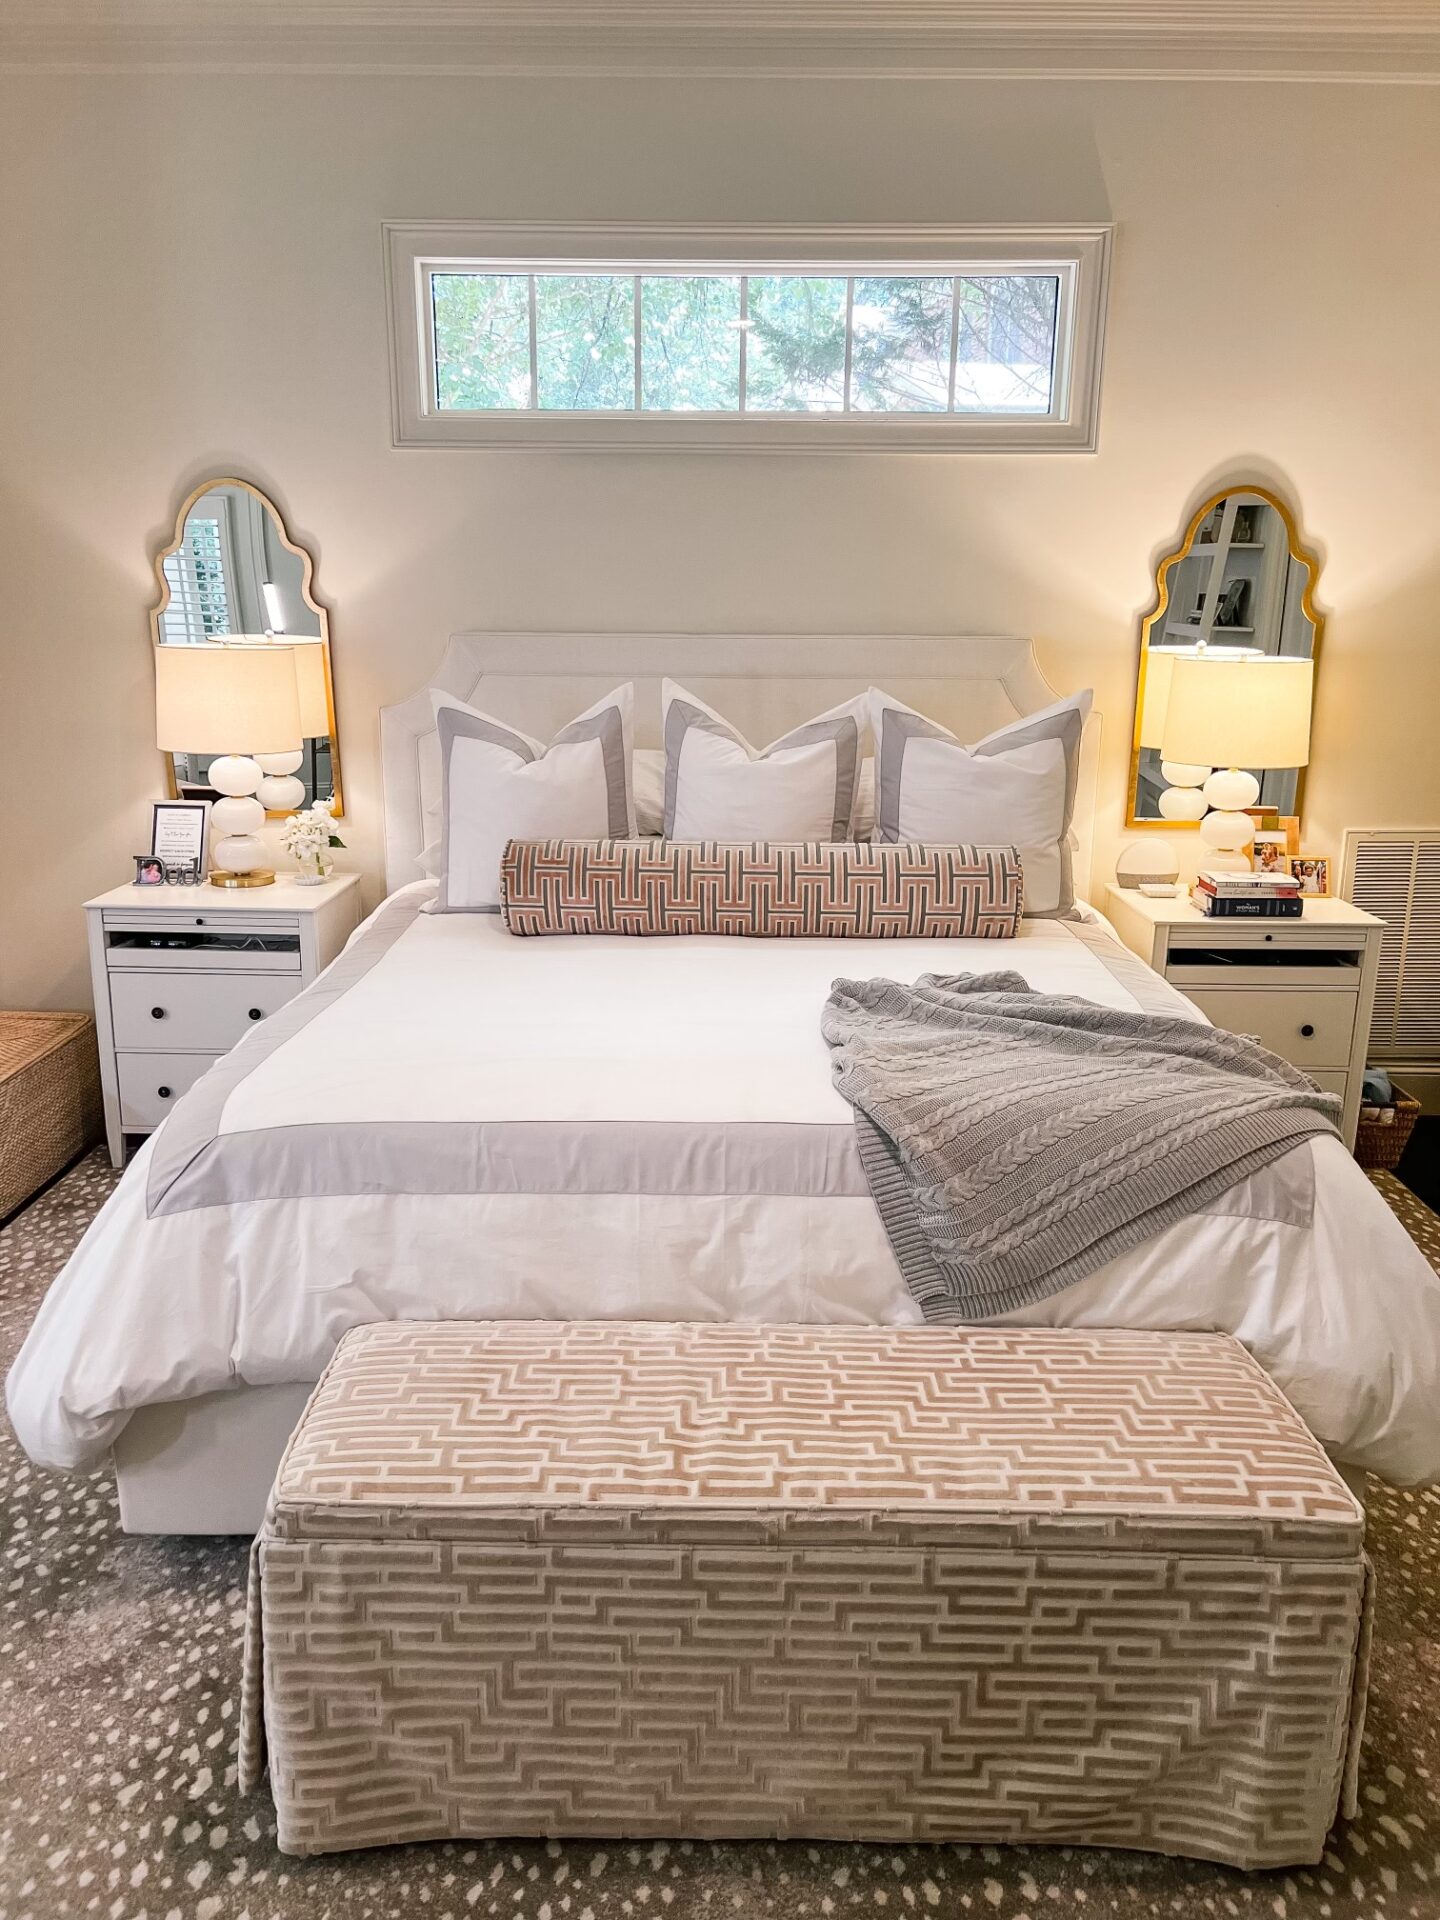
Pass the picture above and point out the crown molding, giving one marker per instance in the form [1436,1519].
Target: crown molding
[1385,41]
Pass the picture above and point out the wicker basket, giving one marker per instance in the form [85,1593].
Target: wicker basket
[1378,1144]
[50,1108]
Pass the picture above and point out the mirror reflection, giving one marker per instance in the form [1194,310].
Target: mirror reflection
[233,573]
[1239,588]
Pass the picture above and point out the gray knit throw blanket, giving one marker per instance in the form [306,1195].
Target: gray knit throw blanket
[1014,1141]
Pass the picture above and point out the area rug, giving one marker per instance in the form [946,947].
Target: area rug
[120,1661]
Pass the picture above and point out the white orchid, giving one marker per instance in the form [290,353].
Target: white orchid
[308,834]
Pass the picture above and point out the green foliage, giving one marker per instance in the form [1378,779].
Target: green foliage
[906,331]
[482,340]
[585,341]
[795,359]
[690,343]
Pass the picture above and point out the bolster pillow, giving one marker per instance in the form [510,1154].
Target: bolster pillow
[842,889]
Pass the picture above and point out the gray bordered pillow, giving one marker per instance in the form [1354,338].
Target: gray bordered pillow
[718,787]
[497,785]
[1016,787]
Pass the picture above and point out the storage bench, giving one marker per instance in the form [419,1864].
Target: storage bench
[590,1578]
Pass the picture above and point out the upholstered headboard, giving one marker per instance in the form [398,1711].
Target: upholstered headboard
[764,683]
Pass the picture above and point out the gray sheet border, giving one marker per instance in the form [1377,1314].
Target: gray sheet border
[657,1159]
[195,1123]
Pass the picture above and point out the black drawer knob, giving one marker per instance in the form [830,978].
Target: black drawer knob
[1307,1030]
[157,1013]
[164,1092]
[256,1014]
[199,920]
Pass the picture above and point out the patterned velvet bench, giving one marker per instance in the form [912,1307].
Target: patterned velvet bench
[840,1582]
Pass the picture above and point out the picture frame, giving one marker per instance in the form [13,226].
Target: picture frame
[1269,851]
[149,871]
[179,830]
[1312,871]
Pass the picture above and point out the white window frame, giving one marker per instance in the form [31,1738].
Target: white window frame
[1078,255]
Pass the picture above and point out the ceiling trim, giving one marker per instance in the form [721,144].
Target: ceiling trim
[1386,41]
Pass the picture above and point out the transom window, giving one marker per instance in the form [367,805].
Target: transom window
[951,349]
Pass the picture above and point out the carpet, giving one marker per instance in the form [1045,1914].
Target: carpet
[119,1669]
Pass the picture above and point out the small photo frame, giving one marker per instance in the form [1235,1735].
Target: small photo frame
[149,872]
[178,830]
[1270,853]
[1312,870]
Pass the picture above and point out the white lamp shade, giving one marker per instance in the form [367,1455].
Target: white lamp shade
[310,686]
[226,699]
[1239,713]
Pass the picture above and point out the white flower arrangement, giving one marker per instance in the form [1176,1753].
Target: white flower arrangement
[308,835]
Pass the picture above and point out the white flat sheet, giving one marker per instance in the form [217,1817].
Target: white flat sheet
[456,1123]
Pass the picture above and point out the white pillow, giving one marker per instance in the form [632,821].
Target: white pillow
[648,781]
[717,787]
[498,784]
[1016,787]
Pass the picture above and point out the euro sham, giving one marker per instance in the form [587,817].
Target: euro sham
[1016,786]
[498,784]
[718,787]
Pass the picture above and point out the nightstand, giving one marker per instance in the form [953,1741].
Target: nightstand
[180,973]
[1305,988]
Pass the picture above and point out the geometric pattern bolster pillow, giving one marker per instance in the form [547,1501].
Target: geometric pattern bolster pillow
[840,889]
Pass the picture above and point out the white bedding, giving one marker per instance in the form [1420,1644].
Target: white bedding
[457,1123]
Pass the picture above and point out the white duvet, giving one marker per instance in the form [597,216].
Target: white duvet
[454,1123]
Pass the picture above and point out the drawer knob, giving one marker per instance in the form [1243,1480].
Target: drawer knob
[256,1014]
[199,920]
[1307,1030]
[157,1013]
[164,1092]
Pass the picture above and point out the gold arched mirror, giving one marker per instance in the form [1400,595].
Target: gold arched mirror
[1239,588]
[231,571]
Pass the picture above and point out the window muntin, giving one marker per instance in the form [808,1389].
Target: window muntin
[747,343]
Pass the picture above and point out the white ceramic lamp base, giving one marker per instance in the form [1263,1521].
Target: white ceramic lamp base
[237,857]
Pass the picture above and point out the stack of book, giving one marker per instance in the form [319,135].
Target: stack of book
[1241,895]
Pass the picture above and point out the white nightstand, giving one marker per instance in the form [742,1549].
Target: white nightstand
[1305,988]
[180,973]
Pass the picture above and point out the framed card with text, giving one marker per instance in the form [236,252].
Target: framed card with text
[178,830]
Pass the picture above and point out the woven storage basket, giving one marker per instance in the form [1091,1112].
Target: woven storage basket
[50,1108]
[1380,1146]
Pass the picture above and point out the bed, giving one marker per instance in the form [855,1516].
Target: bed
[453,1123]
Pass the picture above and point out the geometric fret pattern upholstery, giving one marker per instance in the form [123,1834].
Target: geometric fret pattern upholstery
[977,1585]
[839,889]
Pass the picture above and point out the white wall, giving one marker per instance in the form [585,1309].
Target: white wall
[191,285]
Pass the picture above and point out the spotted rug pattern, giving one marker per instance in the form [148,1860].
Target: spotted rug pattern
[119,1676]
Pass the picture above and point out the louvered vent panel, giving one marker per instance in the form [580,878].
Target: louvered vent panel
[1397,876]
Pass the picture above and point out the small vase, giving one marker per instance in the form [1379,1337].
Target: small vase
[314,870]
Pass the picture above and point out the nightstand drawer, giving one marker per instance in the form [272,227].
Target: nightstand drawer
[1310,1029]
[151,1083]
[199,1013]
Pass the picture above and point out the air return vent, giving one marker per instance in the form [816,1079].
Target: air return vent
[1395,873]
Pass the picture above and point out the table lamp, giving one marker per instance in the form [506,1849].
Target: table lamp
[1237,714]
[280,791]
[218,698]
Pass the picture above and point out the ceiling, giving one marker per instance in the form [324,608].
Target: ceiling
[1372,41]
